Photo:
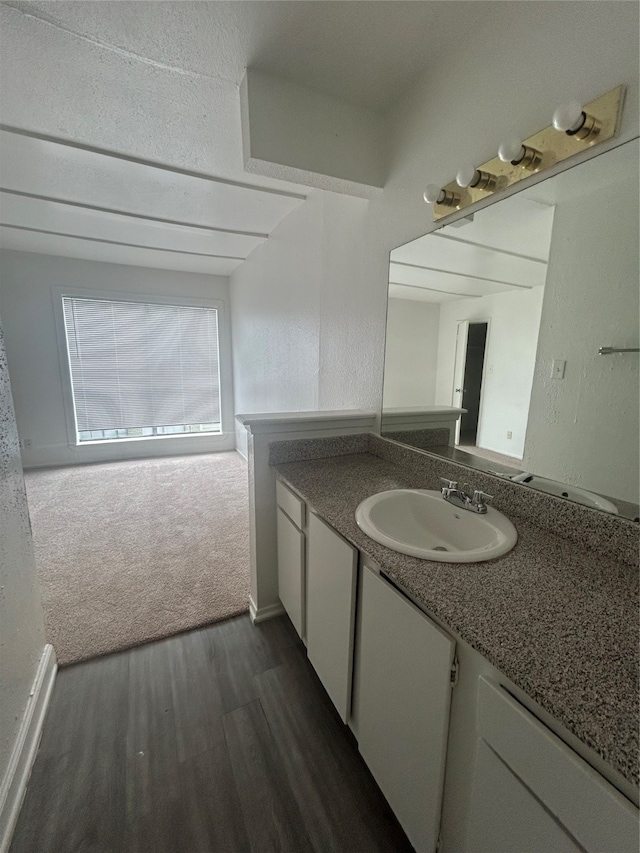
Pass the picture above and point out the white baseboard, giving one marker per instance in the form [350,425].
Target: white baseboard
[14,785]
[62,455]
[261,614]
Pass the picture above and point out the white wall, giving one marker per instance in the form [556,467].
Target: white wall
[526,59]
[411,355]
[303,320]
[296,133]
[275,316]
[22,637]
[27,310]
[351,349]
[510,355]
[532,56]
[583,429]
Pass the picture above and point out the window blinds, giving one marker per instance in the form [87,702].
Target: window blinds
[136,365]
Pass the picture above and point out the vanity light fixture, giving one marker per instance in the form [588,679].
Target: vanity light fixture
[514,152]
[477,179]
[438,195]
[464,220]
[574,121]
[582,126]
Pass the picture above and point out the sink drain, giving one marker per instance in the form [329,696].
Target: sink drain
[440,548]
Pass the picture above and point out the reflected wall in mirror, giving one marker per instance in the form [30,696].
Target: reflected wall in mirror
[493,329]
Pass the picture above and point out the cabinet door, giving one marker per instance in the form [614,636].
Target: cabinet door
[533,794]
[331,585]
[506,817]
[291,585]
[403,688]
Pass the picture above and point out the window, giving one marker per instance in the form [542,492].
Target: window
[142,369]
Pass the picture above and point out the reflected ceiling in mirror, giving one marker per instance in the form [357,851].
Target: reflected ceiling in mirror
[502,314]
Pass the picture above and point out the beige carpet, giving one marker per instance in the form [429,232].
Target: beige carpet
[131,551]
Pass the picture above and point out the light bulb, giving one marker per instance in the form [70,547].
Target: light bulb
[518,154]
[432,193]
[511,151]
[569,117]
[466,175]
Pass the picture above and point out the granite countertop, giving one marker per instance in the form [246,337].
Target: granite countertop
[559,620]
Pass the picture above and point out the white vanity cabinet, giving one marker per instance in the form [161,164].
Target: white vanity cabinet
[533,794]
[291,514]
[332,565]
[402,694]
[469,770]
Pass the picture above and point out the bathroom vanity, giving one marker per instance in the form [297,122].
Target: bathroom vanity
[495,703]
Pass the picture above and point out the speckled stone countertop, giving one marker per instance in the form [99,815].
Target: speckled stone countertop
[559,620]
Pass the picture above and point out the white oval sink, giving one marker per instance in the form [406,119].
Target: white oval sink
[561,490]
[422,524]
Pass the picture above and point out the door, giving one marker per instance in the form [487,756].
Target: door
[505,817]
[533,794]
[403,695]
[331,605]
[458,370]
[291,580]
[468,374]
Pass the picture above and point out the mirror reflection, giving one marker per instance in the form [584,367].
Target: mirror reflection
[494,327]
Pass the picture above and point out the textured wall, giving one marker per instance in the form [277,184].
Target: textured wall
[514,320]
[302,134]
[411,355]
[21,621]
[26,302]
[303,321]
[522,61]
[459,113]
[275,317]
[509,79]
[352,315]
[583,429]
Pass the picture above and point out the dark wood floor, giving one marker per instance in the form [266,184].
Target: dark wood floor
[221,739]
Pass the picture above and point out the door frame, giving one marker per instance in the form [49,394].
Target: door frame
[459,366]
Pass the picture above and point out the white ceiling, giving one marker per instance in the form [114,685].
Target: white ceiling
[128,212]
[504,248]
[92,74]
[361,52]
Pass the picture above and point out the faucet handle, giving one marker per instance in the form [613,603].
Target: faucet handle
[449,484]
[479,498]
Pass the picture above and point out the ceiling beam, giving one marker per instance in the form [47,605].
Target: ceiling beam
[141,216]
[438,290]
[119,243]
[151,164]
[462,275]
[489,248]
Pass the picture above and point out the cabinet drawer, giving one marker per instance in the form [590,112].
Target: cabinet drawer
[291,504]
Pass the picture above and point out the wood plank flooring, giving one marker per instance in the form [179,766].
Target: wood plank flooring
[221,739]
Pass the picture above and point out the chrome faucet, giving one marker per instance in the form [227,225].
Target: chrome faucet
[465,498]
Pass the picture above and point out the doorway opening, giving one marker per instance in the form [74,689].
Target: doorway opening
[472,342]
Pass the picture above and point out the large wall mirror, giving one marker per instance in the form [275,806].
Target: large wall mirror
[502,314]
